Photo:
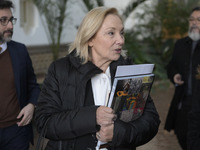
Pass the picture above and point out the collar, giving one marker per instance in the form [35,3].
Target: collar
[4,47]
[89,69]
[83,68]
[189,40]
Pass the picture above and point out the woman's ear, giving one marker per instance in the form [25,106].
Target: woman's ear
[90,43]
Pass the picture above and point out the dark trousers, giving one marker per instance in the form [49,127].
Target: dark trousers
[181,124]
[14,138]
[181,128]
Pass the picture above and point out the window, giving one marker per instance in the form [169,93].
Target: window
[28,16]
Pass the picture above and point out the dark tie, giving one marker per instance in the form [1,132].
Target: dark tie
[0,50]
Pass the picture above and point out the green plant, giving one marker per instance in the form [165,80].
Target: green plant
[167,22]
[53,16]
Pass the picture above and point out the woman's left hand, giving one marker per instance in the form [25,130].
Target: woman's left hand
[105,133]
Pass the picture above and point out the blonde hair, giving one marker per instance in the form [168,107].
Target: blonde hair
[87,30]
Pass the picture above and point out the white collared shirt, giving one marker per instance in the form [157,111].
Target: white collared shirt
[4,47]
[101,86]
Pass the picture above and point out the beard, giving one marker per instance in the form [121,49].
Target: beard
[193,34]
[4,38]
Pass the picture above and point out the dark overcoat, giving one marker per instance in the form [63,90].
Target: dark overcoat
[66,101]
[194,121]
[180,64]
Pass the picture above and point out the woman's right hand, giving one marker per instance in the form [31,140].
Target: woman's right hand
[105,116]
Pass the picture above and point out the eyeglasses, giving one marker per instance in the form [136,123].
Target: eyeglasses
[4,21]
[191,19]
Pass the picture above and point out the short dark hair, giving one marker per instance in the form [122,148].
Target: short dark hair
[195,9]
[6,4]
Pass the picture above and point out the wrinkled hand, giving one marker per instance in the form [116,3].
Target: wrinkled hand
[26,114]
[105,116]
[105,134]
[178,79]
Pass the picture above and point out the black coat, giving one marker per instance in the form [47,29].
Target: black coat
[194,121]
[66,100]
[180,64]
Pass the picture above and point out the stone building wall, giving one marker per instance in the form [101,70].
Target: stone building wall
[42,57]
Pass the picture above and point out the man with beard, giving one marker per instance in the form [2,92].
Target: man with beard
[181,71]
[18,88]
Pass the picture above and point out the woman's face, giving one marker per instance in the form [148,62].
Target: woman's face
[106,46]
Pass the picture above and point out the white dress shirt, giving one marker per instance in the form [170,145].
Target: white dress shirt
[101,86]
[4,47]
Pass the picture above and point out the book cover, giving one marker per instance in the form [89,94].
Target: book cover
[129,93]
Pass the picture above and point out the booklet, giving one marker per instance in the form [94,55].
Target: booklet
[130,90]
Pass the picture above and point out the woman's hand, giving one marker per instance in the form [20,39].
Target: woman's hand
[105,133]
[105,116]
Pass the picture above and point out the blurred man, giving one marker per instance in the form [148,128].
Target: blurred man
[181,71]
[18,88]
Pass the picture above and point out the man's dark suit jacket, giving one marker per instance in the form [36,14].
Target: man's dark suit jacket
[25,80]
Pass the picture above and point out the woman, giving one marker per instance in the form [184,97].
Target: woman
[72,96]
[194,118]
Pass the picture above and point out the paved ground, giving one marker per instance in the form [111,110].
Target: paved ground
[162,96]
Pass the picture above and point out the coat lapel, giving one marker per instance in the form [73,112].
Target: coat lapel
[16,66]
